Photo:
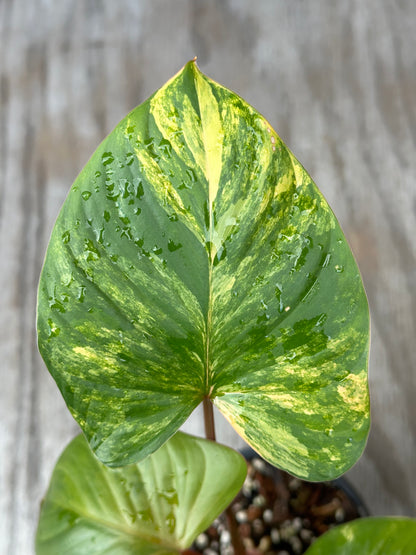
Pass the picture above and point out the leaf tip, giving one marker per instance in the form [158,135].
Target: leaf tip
[192,63]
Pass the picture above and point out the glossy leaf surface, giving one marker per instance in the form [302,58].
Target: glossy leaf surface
[156,506]
[194,256]
[369,536]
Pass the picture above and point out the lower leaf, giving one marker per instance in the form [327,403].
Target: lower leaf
[369,536]
[157,506]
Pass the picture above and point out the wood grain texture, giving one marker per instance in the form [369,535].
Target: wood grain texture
[337,80]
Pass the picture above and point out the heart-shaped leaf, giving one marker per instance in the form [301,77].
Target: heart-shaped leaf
[156,506]
[369,536]
[195,257]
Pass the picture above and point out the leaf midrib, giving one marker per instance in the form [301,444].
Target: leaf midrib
[208,324]
[119,528]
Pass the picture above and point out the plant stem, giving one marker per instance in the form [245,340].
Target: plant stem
[236,539]
[209,419]
[209,422]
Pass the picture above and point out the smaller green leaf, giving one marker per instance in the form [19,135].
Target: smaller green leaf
[157,506]
[369,536]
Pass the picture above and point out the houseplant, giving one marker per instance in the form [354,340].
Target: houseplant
[194,260]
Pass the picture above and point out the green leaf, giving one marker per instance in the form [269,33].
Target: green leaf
[194,257]
[156,506]
[369,536]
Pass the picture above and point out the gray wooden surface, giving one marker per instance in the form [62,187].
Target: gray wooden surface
[337,80]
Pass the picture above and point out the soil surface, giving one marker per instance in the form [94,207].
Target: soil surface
[279,514]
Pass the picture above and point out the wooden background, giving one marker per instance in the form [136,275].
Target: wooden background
[337,80]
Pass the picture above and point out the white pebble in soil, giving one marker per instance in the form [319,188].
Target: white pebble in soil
[248,543]
[258,527]
[287,530]
[296,545]
[241,516]
[220,528]
[294,484]
[340,514]
[275,535]
[265,544]
[297,524]
[306,535]
[259,465]
[247,488]
[237,506]
[225,538]
[259,501]
[256,484]
[202,541]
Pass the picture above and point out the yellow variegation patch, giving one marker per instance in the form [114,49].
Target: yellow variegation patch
[353,391]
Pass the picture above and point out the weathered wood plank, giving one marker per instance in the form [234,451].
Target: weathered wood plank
[336,80]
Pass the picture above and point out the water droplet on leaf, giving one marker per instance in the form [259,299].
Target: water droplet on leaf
[107,158]
[129,158]
[326,260]
[66,237]
[139,189]
[191,174]
[172,246]
[166,147]
[81,293]
[53,329]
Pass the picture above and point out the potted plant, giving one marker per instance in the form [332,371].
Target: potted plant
[194,261]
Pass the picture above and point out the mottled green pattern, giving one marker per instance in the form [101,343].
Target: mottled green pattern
[369,536]
[194,256]
[146,508]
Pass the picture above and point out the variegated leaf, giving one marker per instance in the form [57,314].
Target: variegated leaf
[155,507]
[369,536]
[194,257]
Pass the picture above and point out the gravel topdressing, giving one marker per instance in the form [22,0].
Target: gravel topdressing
[279,514]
